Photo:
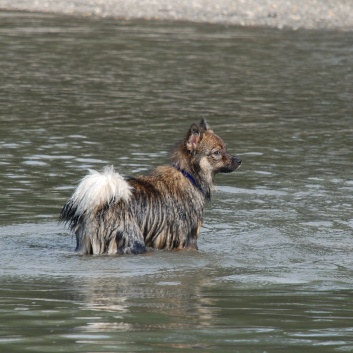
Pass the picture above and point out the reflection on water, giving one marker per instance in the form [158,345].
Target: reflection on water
[274,270]
[105,315]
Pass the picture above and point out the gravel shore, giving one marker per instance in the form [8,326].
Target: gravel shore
[309,14]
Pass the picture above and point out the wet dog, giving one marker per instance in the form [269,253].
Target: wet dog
[112,214]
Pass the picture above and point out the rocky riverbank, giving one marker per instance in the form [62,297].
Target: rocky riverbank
[310,14]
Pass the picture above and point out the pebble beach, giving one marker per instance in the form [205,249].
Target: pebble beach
[293,14]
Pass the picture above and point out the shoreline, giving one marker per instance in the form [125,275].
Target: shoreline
[293,14]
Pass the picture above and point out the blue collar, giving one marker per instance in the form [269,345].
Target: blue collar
[189,176]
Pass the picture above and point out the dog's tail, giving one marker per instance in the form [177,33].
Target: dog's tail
[95,191]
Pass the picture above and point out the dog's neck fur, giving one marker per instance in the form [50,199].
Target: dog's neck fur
[191,170]
[188,176]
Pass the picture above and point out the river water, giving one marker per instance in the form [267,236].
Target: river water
[274,271]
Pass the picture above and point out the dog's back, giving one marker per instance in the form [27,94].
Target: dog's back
[168,208]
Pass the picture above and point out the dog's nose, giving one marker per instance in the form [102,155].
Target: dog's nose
[236,160]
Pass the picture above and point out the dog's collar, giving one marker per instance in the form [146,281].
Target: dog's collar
[189,176]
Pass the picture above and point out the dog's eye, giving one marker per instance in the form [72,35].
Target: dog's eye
[216,153]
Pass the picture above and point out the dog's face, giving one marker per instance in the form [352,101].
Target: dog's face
[208,151]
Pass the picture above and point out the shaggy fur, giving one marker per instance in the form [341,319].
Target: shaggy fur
[124,215]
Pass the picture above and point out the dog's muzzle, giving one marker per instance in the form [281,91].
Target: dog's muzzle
[233,164]
[236,160]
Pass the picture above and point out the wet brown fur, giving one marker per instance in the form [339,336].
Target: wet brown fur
[165,210]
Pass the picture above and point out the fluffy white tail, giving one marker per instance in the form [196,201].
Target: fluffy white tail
[97,189]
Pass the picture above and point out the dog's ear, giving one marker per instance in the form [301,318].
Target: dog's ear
[204,125]
[193,138]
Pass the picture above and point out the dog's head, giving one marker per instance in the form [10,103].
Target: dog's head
[208,152]
[201,155]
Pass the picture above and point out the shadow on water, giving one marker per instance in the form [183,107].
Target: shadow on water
[274,269]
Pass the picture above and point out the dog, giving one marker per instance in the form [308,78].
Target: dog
[112,214]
